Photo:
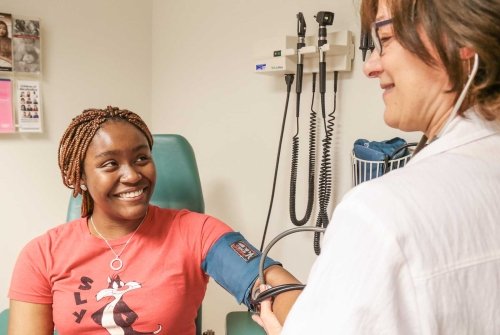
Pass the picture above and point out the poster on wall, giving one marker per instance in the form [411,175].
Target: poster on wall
[6,118]
[5,42]
[29,110]
[26,45]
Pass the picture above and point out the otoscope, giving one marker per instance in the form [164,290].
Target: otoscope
[365,44]
[301,34]
[324,19]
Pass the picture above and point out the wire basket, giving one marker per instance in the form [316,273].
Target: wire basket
[363,170]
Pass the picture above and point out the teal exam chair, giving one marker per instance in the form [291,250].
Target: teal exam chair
[241,323]
[177,186]
[4,318]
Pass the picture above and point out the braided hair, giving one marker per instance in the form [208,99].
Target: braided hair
[76,140]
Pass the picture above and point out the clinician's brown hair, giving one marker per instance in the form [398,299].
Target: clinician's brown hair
[76,140]
[451,25]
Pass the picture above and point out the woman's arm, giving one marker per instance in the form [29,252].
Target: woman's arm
[276,275]
[27,318]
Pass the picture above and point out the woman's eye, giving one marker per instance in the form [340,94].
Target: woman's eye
[385,38]
[109,164]
[143,158]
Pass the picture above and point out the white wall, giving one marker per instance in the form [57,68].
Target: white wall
[204,87]
[186,67]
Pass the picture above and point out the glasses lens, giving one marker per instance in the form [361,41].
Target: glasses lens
[376,39]
[375,36]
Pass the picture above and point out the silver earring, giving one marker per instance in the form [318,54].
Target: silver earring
[83,187]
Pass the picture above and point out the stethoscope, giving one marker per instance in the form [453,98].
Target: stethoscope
[424,140]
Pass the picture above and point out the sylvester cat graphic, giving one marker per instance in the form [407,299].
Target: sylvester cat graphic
[116,316]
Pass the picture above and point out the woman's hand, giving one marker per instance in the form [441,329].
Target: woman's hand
[276,275]
[266,318]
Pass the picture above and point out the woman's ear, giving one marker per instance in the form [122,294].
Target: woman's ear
[466,53]
[83,183]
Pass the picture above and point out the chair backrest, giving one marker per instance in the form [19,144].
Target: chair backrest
[241,323]
[4,322]
[177,182]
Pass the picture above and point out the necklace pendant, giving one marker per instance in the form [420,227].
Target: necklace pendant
[116,264]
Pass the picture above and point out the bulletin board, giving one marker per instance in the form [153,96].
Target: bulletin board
[20,74]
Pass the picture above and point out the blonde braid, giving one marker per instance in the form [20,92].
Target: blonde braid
[76,140]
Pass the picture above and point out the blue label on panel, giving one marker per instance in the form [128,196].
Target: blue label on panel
[260,67]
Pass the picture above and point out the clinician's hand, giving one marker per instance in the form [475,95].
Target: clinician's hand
[266,319]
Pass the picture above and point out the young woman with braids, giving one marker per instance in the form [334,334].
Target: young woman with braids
[417,251]
[126,267]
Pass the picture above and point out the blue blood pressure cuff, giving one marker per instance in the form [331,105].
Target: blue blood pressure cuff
[234,264]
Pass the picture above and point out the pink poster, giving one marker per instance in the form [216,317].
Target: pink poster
[6,118]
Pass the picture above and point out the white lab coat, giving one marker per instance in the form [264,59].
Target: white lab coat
[416,251]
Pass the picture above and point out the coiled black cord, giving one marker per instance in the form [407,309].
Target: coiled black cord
[325,174]
[312,165]
[288,80]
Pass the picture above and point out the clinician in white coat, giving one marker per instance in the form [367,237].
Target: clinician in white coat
[417,251]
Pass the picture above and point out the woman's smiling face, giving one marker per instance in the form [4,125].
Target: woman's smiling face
[119,172]
[414,93]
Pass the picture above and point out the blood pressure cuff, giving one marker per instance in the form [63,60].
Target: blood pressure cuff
[374,151]
[234,264]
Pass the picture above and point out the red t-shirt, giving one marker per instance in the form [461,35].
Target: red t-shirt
[160,286]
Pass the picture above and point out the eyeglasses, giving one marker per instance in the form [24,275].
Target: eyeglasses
[375,36]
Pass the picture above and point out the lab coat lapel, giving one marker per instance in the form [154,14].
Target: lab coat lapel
[460,131]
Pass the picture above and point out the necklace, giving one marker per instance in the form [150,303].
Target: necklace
[117,263]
